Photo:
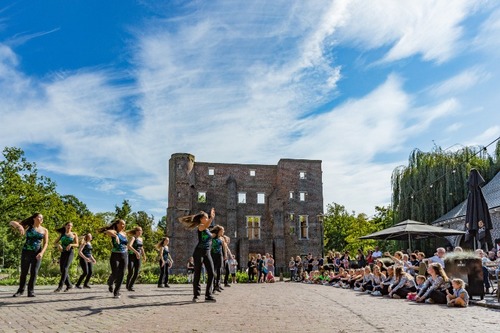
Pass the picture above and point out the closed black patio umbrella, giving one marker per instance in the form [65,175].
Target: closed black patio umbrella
[477,218]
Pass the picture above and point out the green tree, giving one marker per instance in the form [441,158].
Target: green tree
[435,182]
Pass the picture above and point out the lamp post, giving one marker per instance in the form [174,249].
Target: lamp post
[320,218]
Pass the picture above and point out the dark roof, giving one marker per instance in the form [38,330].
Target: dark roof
[491,192]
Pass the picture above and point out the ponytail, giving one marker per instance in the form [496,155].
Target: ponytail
[109,227]
[192,221]
[28,222]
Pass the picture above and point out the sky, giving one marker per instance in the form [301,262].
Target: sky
[100,94]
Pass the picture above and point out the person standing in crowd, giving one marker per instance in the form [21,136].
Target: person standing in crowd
[165,262]
[65,242]
[135,253]
[252,269]
[260,267]
[190,269]
[34,247]
[293,268]
[233,267]
[270,264]
[201,255]
[227,256]
[218,248]
[438,256]
[360,258]
[119,255]
[87,261]
[377,254]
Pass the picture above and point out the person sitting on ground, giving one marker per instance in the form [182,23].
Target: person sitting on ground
[377,279]
[389,279]
[356,277]
[347,277]
[367,283]
[434,288]
[403,284]
[381,265]
[335,280]
[397,257]
[459,297]
[419,283]
[270,277]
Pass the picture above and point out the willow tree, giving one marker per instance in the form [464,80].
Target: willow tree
[435,182]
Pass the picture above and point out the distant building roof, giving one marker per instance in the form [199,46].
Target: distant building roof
[491,192]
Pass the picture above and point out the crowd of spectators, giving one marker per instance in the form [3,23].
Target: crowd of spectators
[397,275]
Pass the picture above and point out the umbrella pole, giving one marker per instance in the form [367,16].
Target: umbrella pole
[409,243]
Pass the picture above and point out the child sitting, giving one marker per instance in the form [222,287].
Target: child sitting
[419,282]
[269,277]
[460,297]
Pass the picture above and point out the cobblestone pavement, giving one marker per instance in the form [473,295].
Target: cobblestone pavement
[279,307]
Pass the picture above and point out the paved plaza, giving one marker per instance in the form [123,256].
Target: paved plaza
[279,307]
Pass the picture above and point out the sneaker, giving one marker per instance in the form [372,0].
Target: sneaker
[210,299]
[58,289]
[160,286]
[167,286]
[86,287]
[195,299]
[376,293]
[31,294]
[78,287]
[110,288]
[429,301]
[357,289]
[227,285]
[18,293]
[131,289]
[396,296]
[117,295]
[68,288]
[368,291]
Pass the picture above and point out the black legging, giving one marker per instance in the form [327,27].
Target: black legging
[163,274]
[118,261]
[134,265]
[217,260]
[200,257]
[30,264]
[64,263]
[86,272]
[404,291]
[226,272]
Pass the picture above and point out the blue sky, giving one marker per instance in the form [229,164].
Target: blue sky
[101,93]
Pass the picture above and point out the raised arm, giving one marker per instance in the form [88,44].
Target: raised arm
[16,225]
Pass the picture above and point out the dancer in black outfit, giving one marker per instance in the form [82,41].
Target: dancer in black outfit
[66,241]
[165,262]
[135,253]
[201,254]
[218,246]
[119,255]
[87,261]
[37,238]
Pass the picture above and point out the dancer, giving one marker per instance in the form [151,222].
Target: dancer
[166,262]
[135,253]
[119,258]
[87,261]
[36,243]
[218,249]
[66,241]
[201,255]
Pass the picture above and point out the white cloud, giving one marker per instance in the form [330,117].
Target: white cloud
[234,84]
[430,28]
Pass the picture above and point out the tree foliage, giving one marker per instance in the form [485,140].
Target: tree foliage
[435,182]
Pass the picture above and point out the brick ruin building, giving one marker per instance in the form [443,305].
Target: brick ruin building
[274,209]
